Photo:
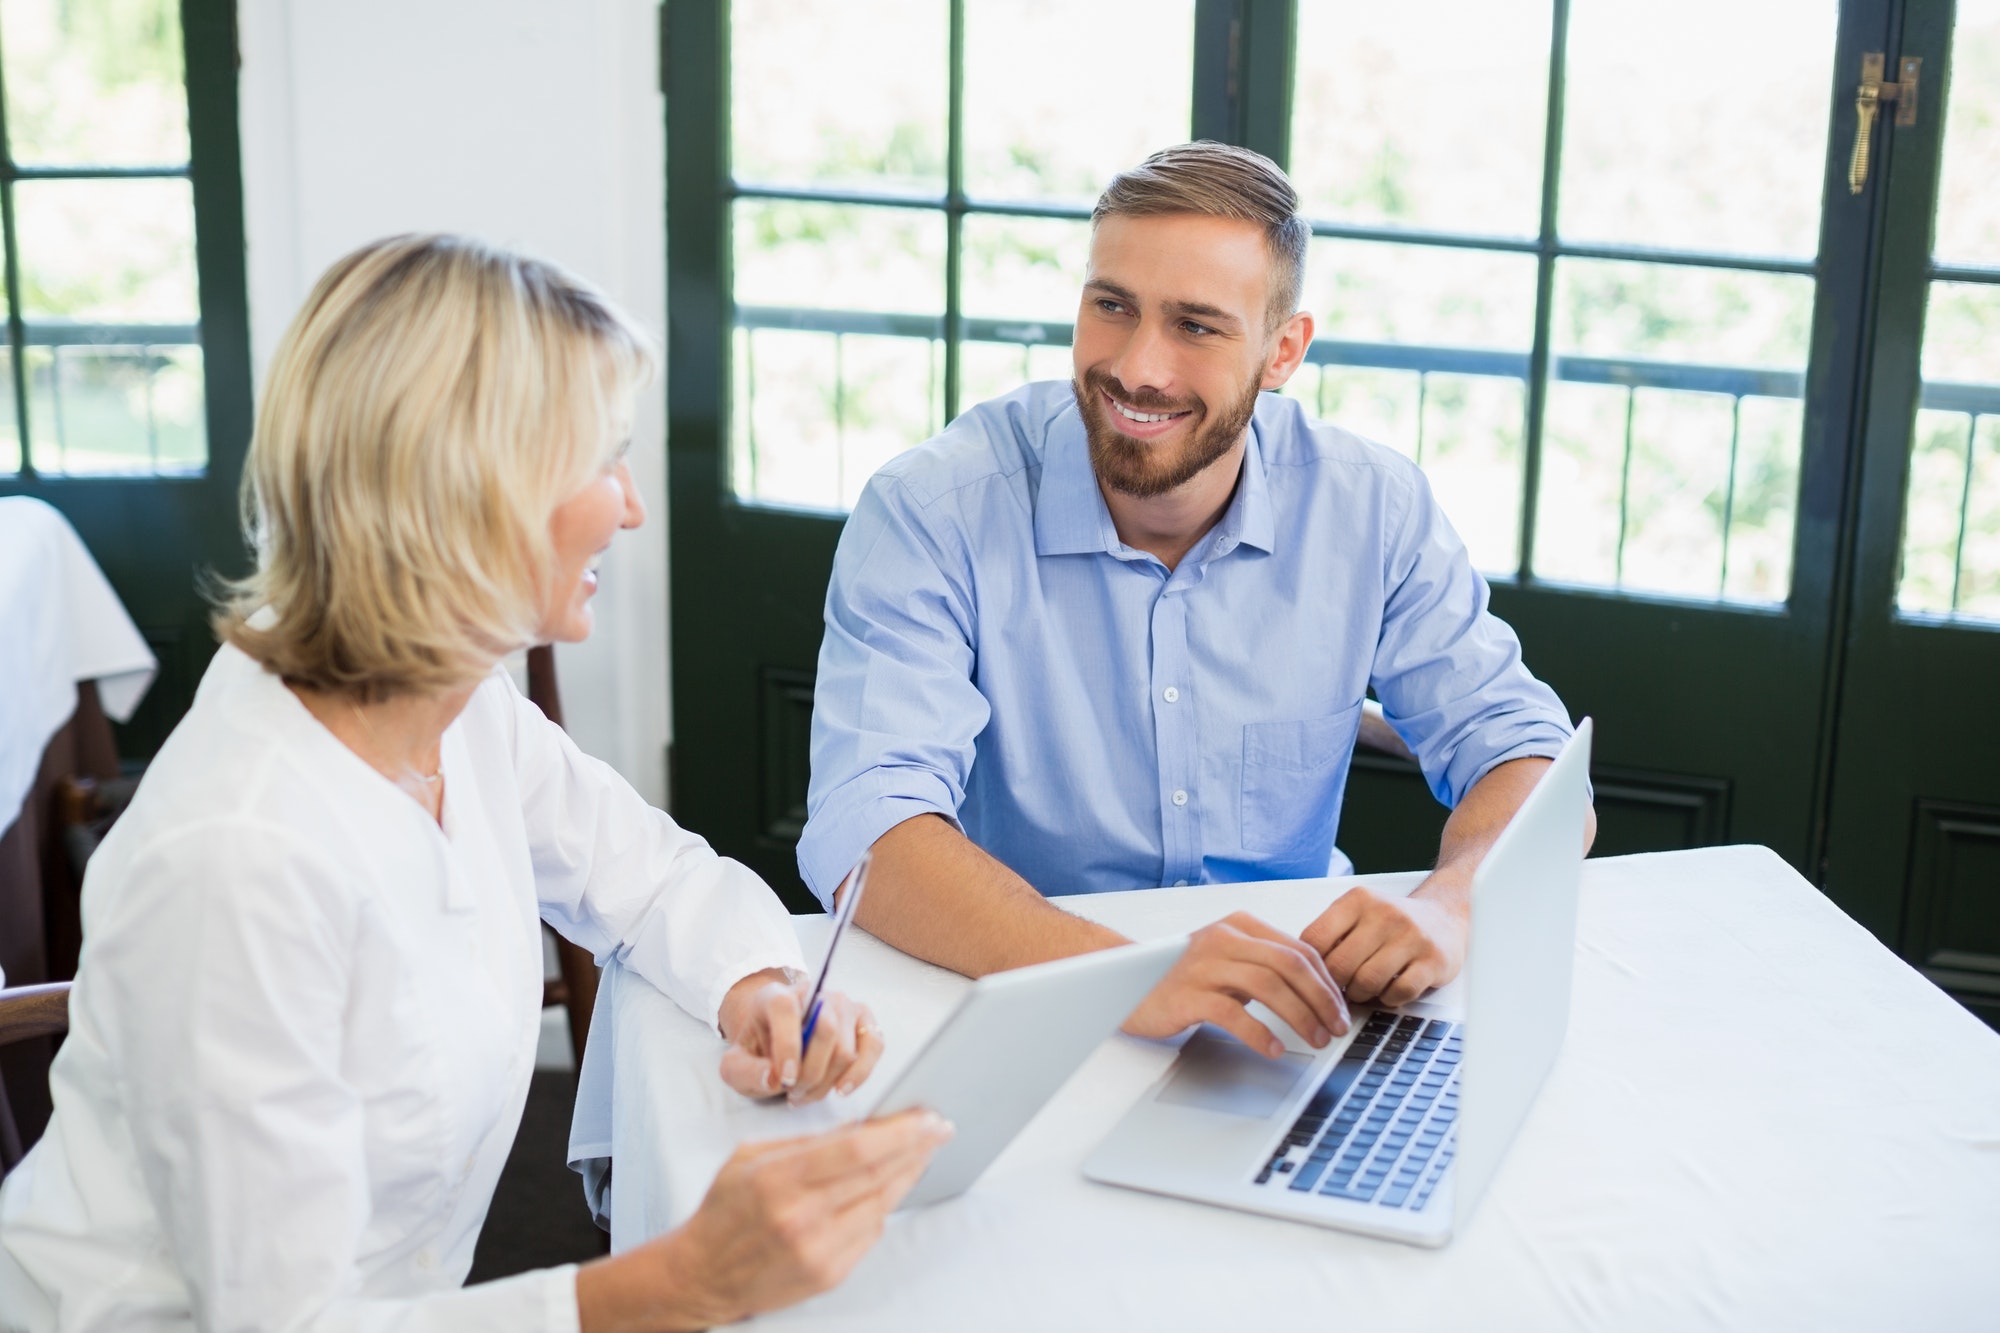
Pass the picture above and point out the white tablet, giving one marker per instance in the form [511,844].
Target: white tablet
[1012,1041]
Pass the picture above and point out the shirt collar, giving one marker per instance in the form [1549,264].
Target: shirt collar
[1071,517]
[1248,520]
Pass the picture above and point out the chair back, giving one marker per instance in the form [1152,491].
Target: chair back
[576,990]
[27,1012]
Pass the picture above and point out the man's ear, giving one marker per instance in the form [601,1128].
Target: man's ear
[1288,350]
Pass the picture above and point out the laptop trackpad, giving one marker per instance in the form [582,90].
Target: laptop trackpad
[1216,1072]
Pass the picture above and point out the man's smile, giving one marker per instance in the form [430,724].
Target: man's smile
[1142,425]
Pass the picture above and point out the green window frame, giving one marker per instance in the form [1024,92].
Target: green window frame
[1245,55]
[220,331]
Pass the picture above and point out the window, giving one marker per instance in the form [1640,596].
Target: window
[1951,541]
[1520,276]
[908,239]
[103,370]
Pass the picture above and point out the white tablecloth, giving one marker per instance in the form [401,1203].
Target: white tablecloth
[59,623]
[1762,1119]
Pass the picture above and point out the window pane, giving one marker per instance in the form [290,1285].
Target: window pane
[94,82]
[1763,502]
[1121,68]
[1672,433]
[10,428]
[815,414]
[1027,269]
[839,257]
[1698,125]
[1951,521]
[118,411]
[879,125]
[990,368]
[1424,349]
[842,368]
[104,251]
[1968,220]
[1426,116]
[1362,291]
[1022,280]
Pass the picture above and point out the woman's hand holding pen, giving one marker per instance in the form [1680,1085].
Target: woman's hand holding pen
[762,1016]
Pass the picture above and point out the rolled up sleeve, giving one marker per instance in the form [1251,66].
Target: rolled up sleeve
[1448,671]
[895,709]
[625,881]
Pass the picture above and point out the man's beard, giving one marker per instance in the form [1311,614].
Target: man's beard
[1130,466]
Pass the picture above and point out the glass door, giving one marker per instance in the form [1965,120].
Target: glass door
[1614,320]
[1914,834]
[1596,266]
[125,367]
[875,220]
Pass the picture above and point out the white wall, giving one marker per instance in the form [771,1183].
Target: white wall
[533,123]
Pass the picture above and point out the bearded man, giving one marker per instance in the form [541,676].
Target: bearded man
[1117,633]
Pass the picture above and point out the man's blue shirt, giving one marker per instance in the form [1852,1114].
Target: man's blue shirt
[994,654]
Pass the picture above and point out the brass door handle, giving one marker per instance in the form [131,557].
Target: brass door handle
[1868,104]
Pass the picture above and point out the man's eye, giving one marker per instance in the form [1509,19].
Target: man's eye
[1194,328]
[1109,306]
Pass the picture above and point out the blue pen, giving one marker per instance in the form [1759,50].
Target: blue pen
[841,917]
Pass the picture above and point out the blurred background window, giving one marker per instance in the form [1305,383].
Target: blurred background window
[1951,528]
[1596,352]
[103,372]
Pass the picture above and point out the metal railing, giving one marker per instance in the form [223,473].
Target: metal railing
[143,346]
[1628,373]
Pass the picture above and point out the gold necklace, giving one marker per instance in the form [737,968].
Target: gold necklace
[426,784]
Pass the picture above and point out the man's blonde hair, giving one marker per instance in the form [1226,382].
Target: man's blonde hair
[1220,180]
[426,412]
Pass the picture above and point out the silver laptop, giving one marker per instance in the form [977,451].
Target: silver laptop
[1396,1129]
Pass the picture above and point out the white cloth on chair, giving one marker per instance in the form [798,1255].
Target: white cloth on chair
[60,623]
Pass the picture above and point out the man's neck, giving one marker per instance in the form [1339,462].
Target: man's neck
[1168,526]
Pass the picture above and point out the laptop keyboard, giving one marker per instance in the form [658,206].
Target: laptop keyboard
[1381,1128]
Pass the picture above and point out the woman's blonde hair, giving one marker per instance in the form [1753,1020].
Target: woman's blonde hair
[426,412]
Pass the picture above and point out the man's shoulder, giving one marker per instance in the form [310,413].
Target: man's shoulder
[998,442]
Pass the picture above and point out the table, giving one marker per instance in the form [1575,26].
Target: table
[1761,1119]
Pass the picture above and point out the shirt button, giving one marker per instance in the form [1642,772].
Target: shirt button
[1180,798]
[427,1258]
[1171,694]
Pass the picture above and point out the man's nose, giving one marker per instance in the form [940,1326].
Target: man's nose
[1145,363]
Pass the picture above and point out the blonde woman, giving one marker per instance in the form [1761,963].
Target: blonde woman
[307,1008]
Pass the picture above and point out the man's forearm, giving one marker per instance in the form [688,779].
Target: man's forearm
[1475,825]
[934,894]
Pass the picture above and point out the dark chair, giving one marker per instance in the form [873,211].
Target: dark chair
[576,988]
[27,1013]
[1376,734]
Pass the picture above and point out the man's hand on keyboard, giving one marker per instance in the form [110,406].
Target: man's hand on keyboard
[1230,963]
[1391,950]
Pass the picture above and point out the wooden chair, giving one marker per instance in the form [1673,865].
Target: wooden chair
[27,1012]
[576,988]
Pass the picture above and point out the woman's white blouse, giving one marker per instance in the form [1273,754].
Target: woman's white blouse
[305,1018]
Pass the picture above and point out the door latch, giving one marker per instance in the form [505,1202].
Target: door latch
[1868,102]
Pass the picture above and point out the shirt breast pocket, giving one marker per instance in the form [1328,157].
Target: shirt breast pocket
[1292,772]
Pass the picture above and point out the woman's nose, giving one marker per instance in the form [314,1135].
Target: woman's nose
[635,508]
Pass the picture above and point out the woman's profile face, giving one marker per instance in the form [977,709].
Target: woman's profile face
[581,530]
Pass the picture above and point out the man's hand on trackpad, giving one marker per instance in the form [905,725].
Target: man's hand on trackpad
[1234,961]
